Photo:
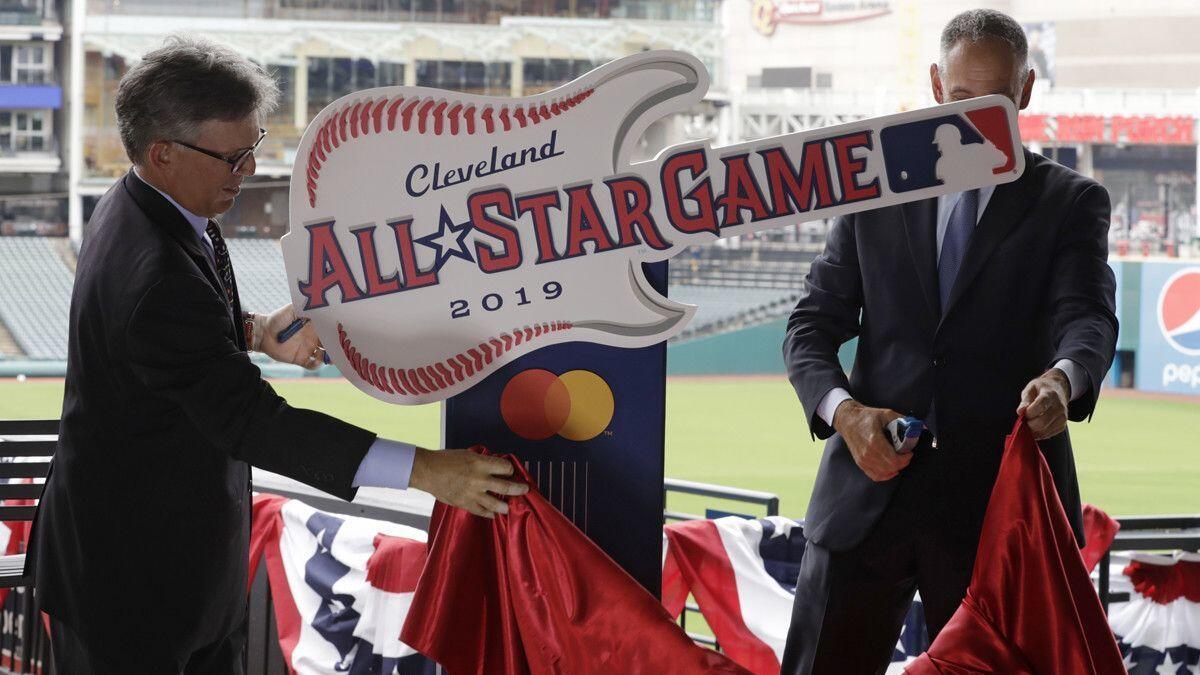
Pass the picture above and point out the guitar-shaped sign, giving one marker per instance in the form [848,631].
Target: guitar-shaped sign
[436,236]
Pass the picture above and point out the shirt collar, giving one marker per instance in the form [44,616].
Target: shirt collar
[198,223]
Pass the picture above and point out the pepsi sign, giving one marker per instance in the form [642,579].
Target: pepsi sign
[1168,357]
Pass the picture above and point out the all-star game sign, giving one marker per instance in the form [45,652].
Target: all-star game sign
[437,238]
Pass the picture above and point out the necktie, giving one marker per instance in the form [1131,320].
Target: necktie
[221,257]
[954,243]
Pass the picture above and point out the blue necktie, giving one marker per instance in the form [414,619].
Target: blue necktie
[954,242]
[950,257]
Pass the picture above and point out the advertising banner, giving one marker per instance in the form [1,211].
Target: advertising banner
[1168,357]
[505,255]
[437,236]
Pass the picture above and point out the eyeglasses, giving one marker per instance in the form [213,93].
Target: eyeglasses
[237,161]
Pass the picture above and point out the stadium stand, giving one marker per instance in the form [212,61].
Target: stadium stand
[261,278]
[36,277]
[35,295]
[722,309]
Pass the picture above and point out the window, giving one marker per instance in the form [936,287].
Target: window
[330,79]
[31,64]
[24,131]
[546,74]
[475,77]
[390,74]
[285,78]
[25,63]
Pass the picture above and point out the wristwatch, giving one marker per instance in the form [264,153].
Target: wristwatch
[248,319]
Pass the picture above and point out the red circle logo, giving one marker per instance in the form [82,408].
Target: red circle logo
[537,404]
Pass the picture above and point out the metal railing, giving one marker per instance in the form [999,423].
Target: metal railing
[767,500]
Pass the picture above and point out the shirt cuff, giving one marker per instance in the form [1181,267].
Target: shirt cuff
[829,404]
[1076,375]
[387,464]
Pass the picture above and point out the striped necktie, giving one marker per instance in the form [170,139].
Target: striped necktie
[221,258]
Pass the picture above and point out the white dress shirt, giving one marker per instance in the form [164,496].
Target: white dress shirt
[946,203]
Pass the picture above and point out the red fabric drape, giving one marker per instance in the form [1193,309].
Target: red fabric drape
[1031,608]
[1100,530]
[1165,583]
[527,592]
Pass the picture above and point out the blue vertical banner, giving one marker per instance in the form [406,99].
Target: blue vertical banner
[587,420]
[1168,358]
[1113,379]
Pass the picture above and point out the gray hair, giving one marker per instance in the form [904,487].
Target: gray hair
[975,25]
[186,82]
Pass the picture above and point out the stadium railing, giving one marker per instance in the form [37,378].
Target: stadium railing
[26,447]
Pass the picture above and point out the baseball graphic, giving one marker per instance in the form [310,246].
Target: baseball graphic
[435,236]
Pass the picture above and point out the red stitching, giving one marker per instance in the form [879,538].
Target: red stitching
[429,379]
[354,119]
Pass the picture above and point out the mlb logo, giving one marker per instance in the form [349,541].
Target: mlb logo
[953,148]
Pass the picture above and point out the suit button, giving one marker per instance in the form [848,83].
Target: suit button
[939,361]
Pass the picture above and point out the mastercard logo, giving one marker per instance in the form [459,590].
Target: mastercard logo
[537,404]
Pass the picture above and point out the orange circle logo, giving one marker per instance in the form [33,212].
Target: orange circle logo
[537,404]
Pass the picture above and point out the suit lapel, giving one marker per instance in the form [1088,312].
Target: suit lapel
[163,214]
[920,225]
[1004,211]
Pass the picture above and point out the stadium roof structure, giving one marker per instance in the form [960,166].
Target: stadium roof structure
[271,41]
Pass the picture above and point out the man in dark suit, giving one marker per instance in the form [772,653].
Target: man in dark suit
[969,310]
[141,541]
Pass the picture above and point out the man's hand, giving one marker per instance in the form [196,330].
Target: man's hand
[863,430]
[1044,403]
[465,479]
[303,348]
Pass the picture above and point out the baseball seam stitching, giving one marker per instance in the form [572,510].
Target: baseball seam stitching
[365,117]
[429,379]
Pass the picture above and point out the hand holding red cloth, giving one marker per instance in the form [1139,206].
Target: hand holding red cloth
[527,592]
[1031,608]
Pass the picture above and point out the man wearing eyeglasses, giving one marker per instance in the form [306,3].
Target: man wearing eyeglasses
[141,540]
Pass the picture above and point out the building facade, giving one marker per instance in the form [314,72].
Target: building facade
[1115,98]
[320,50]
[33,181]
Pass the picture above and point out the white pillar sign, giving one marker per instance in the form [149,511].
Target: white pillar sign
[436,236]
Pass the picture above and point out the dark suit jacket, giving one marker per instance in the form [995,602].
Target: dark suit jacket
[141,539]
[1034,287]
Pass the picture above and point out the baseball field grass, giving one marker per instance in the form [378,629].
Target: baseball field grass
[1139,454]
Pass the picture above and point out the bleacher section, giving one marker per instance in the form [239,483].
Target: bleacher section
[751,264]
[261,278]
[721,308]
[35,295]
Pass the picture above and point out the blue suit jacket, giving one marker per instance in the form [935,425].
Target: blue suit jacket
[1034,287]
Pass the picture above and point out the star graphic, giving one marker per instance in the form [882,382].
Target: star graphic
[783,528]
[449,241]
[1127,659]
[1169,667]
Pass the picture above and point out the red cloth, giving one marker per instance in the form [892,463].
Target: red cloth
[527,592]
[396,564]
[1165,583]
[1099,530]
[1031,608]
